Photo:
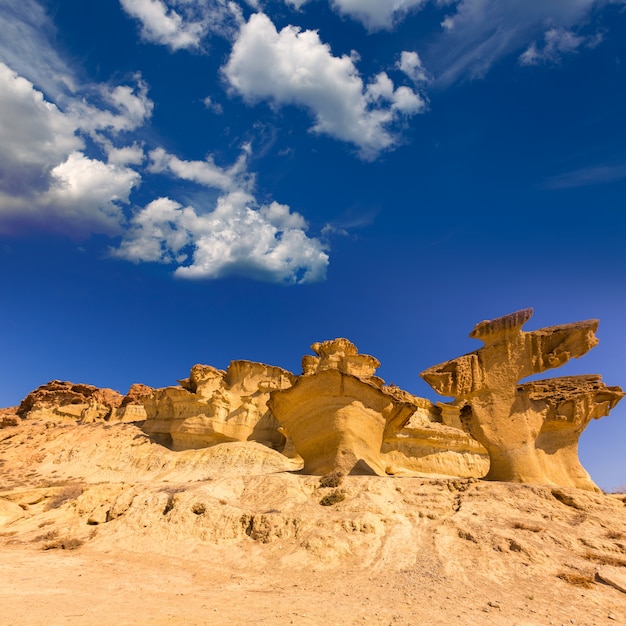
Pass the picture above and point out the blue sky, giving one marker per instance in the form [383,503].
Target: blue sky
[194,182]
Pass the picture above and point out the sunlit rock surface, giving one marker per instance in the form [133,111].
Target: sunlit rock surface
[530,431]
[428,445]
[65,400]
[215,406]
[337,413]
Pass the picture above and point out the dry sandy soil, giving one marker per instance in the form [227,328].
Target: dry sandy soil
[100,525]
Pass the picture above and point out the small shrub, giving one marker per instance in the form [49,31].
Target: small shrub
[69,543]
[333,498]
[67,494]
[198,508]
[331,480]
[577,579]
[605,559]
[49,536]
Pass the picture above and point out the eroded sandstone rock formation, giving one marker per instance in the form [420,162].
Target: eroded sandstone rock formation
[215,406]
[338,416]
[337,413]
[531,431]
[429,445]
[61,399]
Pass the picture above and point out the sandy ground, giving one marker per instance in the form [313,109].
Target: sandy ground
[100,525]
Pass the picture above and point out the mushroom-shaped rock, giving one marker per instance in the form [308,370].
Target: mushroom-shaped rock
[215,406]
[512,421]
[569,404]
[336,419]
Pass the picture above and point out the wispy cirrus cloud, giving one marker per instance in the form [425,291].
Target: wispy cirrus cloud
[294,67]
[478,33]
[583,177]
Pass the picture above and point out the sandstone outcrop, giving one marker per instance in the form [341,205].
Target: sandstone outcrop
[61,399]
[132,407]
[530,431]
[428,445]
[215,406]
[338,413]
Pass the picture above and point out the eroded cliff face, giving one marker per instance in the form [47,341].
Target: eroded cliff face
[338,416]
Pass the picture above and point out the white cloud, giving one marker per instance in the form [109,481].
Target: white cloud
[131,108]
[205,172]
[373,14]
[181,24]
[268,243]
[34,134]
[556,43]
[295,67]
[377,14]
[45,178]
[216,107]
[411,64]
[127,155]
[234,236]
[480,32]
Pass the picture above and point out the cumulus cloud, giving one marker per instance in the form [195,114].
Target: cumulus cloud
[181,24]
[295,67]
[266,243]
[46,179]
[478,33]
[234,235]
[65,166]
[129,108]
[411,64]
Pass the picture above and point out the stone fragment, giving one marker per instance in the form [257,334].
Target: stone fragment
[530,431]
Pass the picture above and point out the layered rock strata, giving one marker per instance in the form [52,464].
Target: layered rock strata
[517,423]
[426,444]
[215,406]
